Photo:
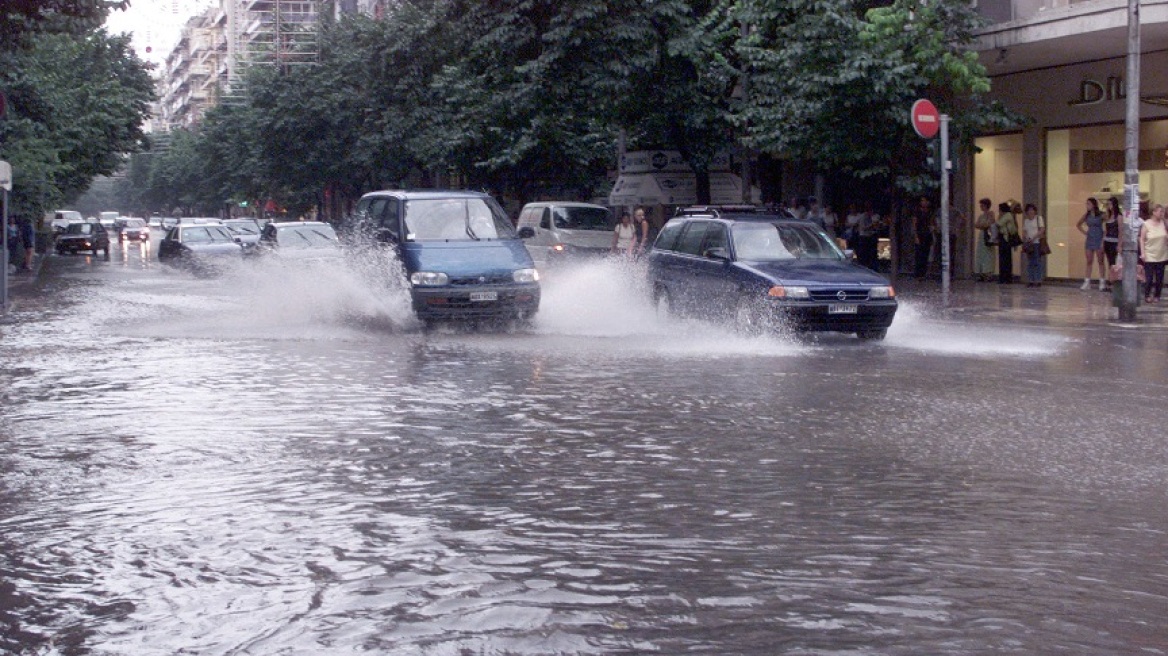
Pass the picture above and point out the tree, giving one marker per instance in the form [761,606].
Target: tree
[21,19]
[76,106]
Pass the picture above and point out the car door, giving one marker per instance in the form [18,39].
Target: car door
[684,271]
[713,277]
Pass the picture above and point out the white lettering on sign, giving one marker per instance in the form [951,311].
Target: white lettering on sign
[926,118]
[1093,92]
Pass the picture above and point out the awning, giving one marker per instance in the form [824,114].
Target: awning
[654,189]
[726,189]
[676,189]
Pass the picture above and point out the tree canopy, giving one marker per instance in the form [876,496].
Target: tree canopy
[530,97]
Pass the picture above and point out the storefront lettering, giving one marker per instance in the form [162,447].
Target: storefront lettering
[1093,92]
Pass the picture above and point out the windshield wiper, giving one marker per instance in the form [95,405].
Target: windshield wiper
[469,230]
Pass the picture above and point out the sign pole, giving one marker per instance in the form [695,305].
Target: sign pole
[945,254]
[4,252]
[1129,248]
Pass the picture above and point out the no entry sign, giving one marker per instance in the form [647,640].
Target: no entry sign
[925,119]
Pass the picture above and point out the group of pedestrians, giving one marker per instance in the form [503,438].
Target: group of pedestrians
[631,236]
[860,228]
[1002,234]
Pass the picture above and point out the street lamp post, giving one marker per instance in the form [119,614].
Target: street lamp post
[1131,175]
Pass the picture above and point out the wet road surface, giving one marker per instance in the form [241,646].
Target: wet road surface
[280,462]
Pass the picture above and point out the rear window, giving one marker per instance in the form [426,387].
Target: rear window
[691,240]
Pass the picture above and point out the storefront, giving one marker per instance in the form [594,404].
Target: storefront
[1075,149]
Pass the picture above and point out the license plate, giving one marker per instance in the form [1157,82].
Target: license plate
[842,309]
[484,296]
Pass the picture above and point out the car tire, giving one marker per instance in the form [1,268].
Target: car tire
[749,318]
[663,303]
[872,335]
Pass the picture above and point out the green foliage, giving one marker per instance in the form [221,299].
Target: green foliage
[76,106]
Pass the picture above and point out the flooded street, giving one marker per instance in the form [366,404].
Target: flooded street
[282,462]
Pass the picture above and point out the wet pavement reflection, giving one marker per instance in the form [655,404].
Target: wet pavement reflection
[282,462]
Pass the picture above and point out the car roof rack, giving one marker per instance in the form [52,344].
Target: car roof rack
[717,211]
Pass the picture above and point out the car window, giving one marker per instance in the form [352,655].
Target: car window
[667,239]
[545,218]
[691,240]
[306,236]
[456,219]
[765,242]
[716,237]
[582,218]
[220,233]
[196,236]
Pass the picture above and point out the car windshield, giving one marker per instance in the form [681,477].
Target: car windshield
[582,218]
[456,219]
[206,234]
[243,227]
[79,229]
[321,236]
[769,242]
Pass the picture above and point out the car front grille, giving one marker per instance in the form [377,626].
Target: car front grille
[839,295]
[483,280]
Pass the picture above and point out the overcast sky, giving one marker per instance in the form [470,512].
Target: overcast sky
[155,24]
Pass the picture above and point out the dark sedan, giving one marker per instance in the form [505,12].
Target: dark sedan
[134,230]
[201,248]
[760,270]
[77,237]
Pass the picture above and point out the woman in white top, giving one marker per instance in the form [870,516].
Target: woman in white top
[624,236]
[1033,230]
[1154,252]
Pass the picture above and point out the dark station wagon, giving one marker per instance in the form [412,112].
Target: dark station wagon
[762,270]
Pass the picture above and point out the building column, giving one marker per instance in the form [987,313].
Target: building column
[1034,167]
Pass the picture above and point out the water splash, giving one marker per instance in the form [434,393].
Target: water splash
[915,329]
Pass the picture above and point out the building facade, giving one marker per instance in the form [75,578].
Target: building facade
[1063,63]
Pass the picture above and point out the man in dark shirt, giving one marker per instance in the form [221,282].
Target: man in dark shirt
[924,229]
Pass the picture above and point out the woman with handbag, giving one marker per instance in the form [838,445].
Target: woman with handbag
[1033,235]
[1007,229]
[1154,252]
[983,265]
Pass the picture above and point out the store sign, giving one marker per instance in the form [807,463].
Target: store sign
[1093,92]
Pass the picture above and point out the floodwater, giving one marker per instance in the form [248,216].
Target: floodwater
[281,462]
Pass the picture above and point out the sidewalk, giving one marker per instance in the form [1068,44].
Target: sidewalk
[1054,304]
[20,282]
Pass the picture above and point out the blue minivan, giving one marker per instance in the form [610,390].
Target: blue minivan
[462,257]
[759,270]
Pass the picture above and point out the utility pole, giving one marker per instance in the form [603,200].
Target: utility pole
[1131,175]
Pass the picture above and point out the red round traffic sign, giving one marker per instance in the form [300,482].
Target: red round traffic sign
[925,119]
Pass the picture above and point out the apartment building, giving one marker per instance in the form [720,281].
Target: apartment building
[1063,63]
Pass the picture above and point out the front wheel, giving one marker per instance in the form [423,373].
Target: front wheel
[749,318]
[872,335]
[662,303]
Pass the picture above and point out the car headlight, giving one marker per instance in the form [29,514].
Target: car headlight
[525,275]
[882,292]
[429,278]
[780,291]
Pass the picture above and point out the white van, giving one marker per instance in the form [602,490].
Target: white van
[62,219]
[565,231]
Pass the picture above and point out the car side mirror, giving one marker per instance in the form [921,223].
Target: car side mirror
[526,232]
[717,254]
[849,254]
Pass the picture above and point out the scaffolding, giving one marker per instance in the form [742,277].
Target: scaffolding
[278,33]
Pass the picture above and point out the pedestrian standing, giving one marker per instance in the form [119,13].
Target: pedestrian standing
[1111,222]
[624,236]
[924,231]
[1007,229]
[1033,232]
[641,230]
[1091,225]
[1154,252]
[983,264]
[27,234]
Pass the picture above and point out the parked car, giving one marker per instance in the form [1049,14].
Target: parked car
[566,231]
[248,230]
[133,230]
[760,270]
[84,236]
[202,248]
[459,252]
[300,241]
